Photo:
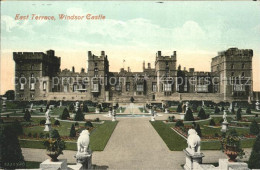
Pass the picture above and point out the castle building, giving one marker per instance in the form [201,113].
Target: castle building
[38,77]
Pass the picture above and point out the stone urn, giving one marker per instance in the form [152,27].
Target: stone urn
[53,156]
[231,152]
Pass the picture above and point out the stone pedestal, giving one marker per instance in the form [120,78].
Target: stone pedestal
[166,111]
[47,126]
[113,118]
[193,160]
[182,115]
[49,165]
[150,111]
[152,119]
[226,165]
[224,127]
[85,160]
[97,111]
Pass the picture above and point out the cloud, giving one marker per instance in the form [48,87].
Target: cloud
[8,22]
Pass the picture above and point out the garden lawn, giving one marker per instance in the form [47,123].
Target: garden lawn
[176,143]
[98,138]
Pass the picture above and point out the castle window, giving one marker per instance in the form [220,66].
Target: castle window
[21,86]
[118,87]
[243,66]
[44,86]
[95,64]
[140,87]
[32,75]
[32,95]
[32,86]
[65,88]
[128,86]
[243,74]
[167,87]
[95,72]
[154,87]
[232,74]
[32,66]
[232,66]
[74,87]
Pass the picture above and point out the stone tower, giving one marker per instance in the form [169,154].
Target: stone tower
[234,67]
[33,73]
[165,66]
[98,72]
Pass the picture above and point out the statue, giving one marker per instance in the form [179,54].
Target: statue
[83,143]
[77,106]
[48,122]
[187,106]
[230,107]
[257,105]
[84,154]
[225,116]
[183,108]
[193,142]
[203,104]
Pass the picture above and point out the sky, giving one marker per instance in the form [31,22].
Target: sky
[132,31]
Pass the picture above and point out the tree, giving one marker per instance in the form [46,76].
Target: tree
[179,109]
[217,110]
[238,116]
[65,115]
[72,131]
[9,94]
[27,115]
[71,107]
[11,153]
[254,128]
[198,130]
[254,158]
[189,115]
[79,116]
[202,114]
[248,110]
[212,122]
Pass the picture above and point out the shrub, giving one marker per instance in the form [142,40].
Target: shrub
[65,114]
[221,120]
[88,125]
[198,130]
[179,109]
[42,122]
[254,128]
[18,127]
[47,135]
[238,116]
[41,109]
[194,108]
[248,110]
[171,118]
[222,108]
[189,115]
[212,122]
[179,123]
[85,108]
[79,116]
[217,110]
[72,131]
[41,135]
[97,119]
[254,158]
[27,116]
[57,123]
[76,124]
[202,114]
[216,135]
[71,107]
[29,134]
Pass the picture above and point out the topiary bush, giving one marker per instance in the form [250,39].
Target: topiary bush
[54,134]
[27,116]
[254,158]
[72,131]
[189,115]
[198,130]
[202,114]
[79,116]
[217,110]
[57,123]
[212,122]
[88,125]
[179,109]
[254,128]
[171,118]
[248,110]
[238,116]
[65,114]
[77,124]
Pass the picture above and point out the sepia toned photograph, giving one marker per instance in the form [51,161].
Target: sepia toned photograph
[130,85]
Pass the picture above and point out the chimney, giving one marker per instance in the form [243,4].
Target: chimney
[102,53]
[149,65]
[82,70]
[159,53]
[174,53]
[89,54]
[184,68]
[73,69]
[143,65]
[50,52]
[128,69]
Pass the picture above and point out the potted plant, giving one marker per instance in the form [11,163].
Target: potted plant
[54,145]
[231,146]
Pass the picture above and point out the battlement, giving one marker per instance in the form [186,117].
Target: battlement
[91,56]
[49,56]
[160,57]
[236,52]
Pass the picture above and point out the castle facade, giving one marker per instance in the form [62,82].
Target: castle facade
[38,77]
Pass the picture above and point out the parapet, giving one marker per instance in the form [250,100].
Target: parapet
[160,57]
[94,57]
